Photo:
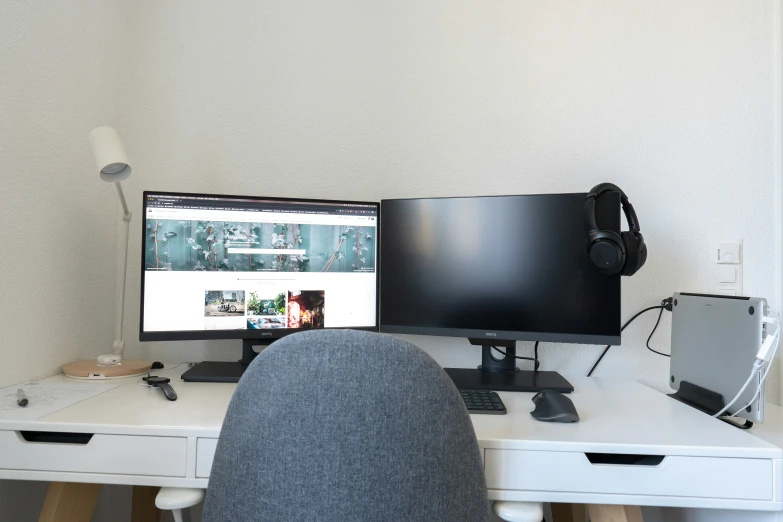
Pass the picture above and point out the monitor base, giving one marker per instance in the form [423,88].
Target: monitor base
[519,381]
[215,371]
[218,371]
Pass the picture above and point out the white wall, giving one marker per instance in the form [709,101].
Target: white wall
[60,78]
[60,75]
[368,100]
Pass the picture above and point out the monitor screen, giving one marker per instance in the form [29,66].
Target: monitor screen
[502,267]
[238,267]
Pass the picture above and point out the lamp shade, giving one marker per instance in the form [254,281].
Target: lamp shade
[109,154]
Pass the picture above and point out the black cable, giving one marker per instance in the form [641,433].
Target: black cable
[517,357]
[535,352]
[653,331]
[629,321]
[590,373]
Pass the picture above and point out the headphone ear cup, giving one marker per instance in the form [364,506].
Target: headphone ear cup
[636,253]
[606,251]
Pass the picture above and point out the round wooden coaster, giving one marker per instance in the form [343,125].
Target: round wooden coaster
[92,370]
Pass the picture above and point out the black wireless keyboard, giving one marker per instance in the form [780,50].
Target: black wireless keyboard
[483,401]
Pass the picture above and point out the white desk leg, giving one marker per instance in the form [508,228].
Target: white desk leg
[568,512]
[613,513]
[69,502]
[143,507]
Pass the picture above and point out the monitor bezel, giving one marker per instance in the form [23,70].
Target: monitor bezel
[500,335]
[495,336]
[207,335]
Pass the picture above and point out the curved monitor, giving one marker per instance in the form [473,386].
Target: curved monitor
[241,267]
[497,268]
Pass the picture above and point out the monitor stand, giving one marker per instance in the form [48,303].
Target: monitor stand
[219,371]
[503,375]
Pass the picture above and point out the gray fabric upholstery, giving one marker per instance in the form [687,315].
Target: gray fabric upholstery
[342,426]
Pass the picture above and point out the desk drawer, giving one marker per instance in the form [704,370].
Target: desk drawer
[205,454]
[112,454]
[750,479]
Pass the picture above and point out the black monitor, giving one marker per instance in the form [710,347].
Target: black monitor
[256,269]
[498,270]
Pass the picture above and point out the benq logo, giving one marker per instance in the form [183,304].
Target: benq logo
[265,334]
[490,334]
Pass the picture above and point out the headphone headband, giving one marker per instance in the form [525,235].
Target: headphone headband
[599,190]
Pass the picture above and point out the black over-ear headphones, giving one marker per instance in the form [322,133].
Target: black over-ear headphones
[610,252]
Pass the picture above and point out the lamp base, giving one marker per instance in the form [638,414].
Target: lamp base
[92,370]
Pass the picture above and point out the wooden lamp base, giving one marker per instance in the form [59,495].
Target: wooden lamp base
[93,370]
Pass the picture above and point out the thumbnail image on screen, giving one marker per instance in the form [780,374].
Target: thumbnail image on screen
[219,303]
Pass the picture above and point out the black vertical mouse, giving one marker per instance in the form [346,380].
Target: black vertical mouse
[552,406]
[163,384]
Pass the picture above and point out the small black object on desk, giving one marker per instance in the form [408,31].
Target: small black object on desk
[483,401]
[163,384]
[700,398]
[552,406]
[21,398]
[706,401]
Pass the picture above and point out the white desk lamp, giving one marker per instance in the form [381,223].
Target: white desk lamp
[113,165]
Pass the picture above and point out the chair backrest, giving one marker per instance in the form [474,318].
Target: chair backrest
[342,426]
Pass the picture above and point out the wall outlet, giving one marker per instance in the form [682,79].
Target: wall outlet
[726,267]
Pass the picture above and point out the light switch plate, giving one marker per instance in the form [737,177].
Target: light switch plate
[727,274]
[729,252]
[725,266]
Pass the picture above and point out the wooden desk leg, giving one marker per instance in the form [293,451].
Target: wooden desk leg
[613,513]
[143,506]
[69,502]
[568,512]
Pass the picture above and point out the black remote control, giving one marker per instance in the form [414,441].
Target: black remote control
[163,384]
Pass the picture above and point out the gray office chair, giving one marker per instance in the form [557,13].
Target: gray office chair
[341,426]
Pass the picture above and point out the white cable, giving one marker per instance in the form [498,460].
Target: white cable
[757,365]
[755,395]
[763,378]
[765,356]
[769,345]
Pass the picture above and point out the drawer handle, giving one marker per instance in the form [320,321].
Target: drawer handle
[624,459]
[56,437]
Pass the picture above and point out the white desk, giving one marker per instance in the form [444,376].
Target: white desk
[142,439]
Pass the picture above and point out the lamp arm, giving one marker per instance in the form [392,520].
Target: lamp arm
[120,193]
[122,268]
